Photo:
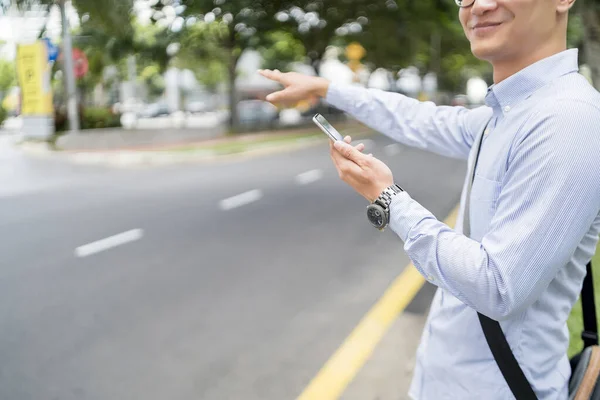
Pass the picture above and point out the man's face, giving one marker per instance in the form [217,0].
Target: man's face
[504,30]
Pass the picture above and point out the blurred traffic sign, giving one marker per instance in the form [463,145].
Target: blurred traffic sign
[355,52]
[80,63]
[52,50]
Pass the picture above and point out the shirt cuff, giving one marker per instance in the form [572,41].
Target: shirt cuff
[405,214]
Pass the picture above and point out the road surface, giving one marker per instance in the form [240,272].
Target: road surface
[234,280]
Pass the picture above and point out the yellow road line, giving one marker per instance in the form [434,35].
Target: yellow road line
[333,378]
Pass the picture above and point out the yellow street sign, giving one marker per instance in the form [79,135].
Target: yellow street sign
[354,51]
[34,79]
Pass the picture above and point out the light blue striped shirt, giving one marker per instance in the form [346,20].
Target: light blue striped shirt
[535,219]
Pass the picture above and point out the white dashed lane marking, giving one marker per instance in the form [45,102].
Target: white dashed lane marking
[240,200]
[309,177]
[109,242]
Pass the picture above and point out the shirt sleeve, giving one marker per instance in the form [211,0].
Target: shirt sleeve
[445,130]
[549,199]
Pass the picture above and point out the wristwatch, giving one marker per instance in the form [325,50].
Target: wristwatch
[378,212]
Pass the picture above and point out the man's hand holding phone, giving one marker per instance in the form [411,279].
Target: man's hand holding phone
[368,175]
[365,173]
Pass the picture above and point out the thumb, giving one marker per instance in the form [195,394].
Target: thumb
[278,96]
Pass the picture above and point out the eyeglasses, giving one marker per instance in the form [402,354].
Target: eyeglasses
[464,3]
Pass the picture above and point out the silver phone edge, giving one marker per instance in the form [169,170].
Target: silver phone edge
[329,134]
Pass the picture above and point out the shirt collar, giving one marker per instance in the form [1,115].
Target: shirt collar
[516,88]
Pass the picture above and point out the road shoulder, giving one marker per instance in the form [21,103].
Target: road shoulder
[388,373]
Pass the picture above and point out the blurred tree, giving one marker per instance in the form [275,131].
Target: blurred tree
[150,43]
[147,46]
[8,77]
[110,15]
[395,34]
[153,79]
[202,53]
[316,23]
[445,50]
[232,27]
[279,49]
[588,12]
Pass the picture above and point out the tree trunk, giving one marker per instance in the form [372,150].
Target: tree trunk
[591,42]
[316,63]
[233,101]
[233,117]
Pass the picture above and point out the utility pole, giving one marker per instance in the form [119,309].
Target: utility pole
[68,71]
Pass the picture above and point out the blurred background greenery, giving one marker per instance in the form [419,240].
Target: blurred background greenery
[155,57]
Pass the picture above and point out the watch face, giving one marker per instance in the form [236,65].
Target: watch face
[376,215]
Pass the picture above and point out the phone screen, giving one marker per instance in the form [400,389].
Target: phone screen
[326,126]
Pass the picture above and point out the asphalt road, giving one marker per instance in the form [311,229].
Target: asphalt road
[217,299]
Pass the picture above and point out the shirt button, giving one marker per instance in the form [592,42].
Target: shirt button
[507,109]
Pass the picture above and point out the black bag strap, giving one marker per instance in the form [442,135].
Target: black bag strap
[510,368]
[512,372]
[588,305]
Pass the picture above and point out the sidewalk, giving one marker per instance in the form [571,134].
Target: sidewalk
[388,373]
[207,150]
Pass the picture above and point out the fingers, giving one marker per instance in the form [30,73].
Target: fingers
[335,155]
[277,96]
[360,147]
[274,75]
[350,152]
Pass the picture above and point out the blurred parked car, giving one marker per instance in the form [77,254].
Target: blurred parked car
[155,110]
[197,107]
[257,114]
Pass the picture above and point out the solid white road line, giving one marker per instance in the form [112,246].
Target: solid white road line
[109,242]
[309,177]
[240,199]
[392,149]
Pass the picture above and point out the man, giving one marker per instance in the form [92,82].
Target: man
[534,204]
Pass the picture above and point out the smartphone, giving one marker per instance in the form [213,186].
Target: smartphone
[327,128]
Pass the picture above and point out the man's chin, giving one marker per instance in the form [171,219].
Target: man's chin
[483,51]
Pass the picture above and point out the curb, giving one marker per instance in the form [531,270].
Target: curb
[133,158]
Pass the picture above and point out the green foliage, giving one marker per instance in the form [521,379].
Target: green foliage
[109,15]
[8,76]
[245,20]
[281,48]
[202,52]
[89,118]
[3,114]
[575,321]
[575,30]
[152,77]
[113,16]
[150,44]
[93,118]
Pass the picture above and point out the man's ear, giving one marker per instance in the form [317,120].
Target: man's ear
[563,6]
